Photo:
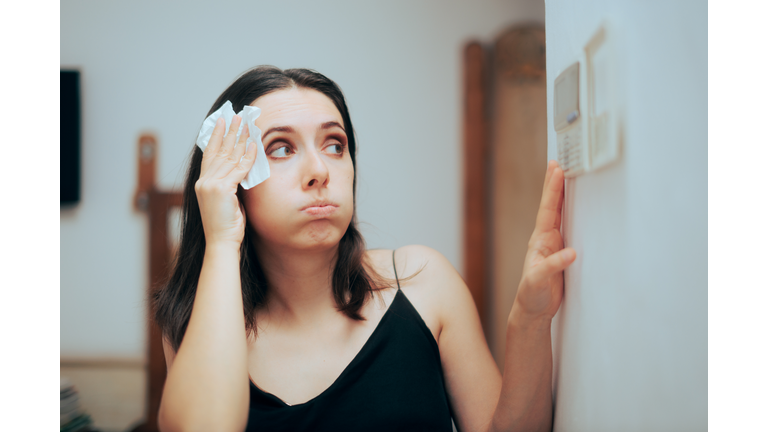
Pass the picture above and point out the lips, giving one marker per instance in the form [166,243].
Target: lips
[320,209]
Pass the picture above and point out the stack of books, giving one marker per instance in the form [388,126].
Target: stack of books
[73,418]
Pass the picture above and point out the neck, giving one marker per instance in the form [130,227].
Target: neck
[300,283]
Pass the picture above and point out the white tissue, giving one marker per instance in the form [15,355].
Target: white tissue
[260,170]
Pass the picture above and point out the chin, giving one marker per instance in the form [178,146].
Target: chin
[320,235]
[315,236]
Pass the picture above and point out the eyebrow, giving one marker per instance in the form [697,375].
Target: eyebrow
[330,124]
[288,129]
[277,129]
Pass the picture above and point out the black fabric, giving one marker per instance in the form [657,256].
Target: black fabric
[395,383]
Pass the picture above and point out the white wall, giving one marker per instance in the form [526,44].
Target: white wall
[154,66]
[630,340]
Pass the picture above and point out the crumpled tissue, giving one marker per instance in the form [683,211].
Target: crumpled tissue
[260,170]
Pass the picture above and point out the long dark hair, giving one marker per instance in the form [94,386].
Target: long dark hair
[353,279]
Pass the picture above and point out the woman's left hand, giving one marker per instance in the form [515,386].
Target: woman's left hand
[541,288]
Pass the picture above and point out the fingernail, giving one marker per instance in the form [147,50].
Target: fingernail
[220,121]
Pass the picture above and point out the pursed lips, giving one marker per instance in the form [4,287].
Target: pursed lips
[320,209]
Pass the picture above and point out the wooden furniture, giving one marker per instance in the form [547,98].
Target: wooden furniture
[157,205]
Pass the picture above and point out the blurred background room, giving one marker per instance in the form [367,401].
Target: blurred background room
[453,107]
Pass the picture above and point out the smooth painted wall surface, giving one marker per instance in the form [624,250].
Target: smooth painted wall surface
[158,67]
[630,340]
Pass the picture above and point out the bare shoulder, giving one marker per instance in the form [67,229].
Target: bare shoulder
[415,265]
[428,280]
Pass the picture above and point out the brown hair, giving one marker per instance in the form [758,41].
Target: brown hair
[353,279]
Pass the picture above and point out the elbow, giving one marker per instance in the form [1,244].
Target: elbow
[169,420]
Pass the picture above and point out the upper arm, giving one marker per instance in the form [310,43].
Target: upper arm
[472,378]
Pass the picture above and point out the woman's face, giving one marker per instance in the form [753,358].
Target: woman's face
[307,201]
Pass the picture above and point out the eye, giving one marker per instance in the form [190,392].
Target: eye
[336,149]
[281,152]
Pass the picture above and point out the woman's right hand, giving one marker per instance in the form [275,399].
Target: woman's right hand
[222,170]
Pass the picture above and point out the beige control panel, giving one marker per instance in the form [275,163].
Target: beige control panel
[585,109]
[570,140]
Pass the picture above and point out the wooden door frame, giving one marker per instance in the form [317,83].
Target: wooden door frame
[475,150]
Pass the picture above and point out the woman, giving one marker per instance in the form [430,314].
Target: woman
[277,318]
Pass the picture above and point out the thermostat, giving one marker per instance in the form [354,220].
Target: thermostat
[585,109]
[570,141]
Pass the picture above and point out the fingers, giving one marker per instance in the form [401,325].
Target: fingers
[239,150]
[555,263]
[550,166]
[212,149]
[560,201]
[246,162]
[551,199]
[222,155]
[229,141]
[234,158]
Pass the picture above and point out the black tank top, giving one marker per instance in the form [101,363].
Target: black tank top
[395,383]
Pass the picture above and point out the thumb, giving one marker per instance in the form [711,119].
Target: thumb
[552,264]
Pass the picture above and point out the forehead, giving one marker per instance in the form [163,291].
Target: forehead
[296,106]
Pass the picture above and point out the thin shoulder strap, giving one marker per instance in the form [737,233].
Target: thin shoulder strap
[395,267]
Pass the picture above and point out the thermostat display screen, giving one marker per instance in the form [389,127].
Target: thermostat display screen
[567,97]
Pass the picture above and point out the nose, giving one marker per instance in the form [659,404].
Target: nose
[315,172]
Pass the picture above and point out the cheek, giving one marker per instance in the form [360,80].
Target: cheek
[265,205]
[347,176]
[347,171]
[272,207]
[349,198]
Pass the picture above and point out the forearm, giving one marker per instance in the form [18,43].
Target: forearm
[525,403]
[207,384]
